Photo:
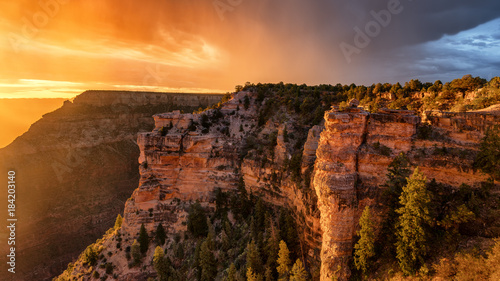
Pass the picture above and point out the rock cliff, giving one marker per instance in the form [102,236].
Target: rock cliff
[355,150]
[344,160]
[75,169]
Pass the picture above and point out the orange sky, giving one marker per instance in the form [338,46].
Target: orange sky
[56,49]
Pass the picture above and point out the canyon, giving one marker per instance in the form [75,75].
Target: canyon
[75,169]
[186,158]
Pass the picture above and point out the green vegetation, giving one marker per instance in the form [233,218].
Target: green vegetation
[430,229]
[197,221]
[298,272]
[160,235]
[488,158]
[284,262]
[423,221]
[411,246]
[414,95]
[135,251]
[143,239]
[118,222]
[364,249]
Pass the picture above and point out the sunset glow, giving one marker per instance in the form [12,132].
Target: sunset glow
[211,46]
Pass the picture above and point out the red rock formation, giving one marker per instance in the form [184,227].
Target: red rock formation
[354,152]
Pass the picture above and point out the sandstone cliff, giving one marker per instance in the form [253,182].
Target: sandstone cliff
[354,152]
[187,157]
[75,169]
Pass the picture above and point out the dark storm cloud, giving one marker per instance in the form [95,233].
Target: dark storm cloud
[220,43]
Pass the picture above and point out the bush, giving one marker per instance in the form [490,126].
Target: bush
[488,158]
[197,221]
[109,268]
[90,256]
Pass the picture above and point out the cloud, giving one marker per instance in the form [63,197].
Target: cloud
[217,44]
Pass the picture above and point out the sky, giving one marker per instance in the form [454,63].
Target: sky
[59,48]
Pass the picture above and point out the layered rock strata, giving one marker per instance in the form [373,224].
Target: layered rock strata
[75,168]
[354,152]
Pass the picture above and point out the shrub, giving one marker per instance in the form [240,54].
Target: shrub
[197,220]
[488,158]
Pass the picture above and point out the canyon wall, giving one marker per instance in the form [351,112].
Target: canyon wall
[75,169]
[355,150]
[187,157]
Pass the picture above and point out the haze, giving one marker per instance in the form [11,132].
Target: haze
[26,111]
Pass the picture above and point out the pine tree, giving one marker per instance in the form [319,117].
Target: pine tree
[271,250]
[488,158]
[413,217]
[143,239]
[197,220]
[253,257]
[160,235]
[268,275]
[135,251]
[160,263]
[118,222]
[283,261]
[251,276]
[197,260]
[231,274]
[364,248]
[207,263]
[397,174]
[298,272]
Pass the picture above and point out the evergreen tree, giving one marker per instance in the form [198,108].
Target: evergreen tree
[197,260]
[397,174]
[118,222]
[160,235]
[251,276]
[283,261]
[161,264]
[90,255]
[413,217]
[253,257]
[208,263]
[231,274]
[271,250]
[135,251]
[197,220]
[298,272]
[246,102]
[488,158]
[143,239]
[268,275]
[364,248]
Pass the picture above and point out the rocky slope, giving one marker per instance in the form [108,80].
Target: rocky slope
[75,169]
[188,157]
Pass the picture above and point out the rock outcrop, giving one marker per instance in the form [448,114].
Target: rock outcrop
[75,169]
[187,157]
[354,152]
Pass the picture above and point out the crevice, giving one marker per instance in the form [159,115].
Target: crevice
[364,136]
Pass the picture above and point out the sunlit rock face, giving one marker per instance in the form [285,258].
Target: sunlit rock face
[186,157]
[183,161]
[75,168]
[354,152]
